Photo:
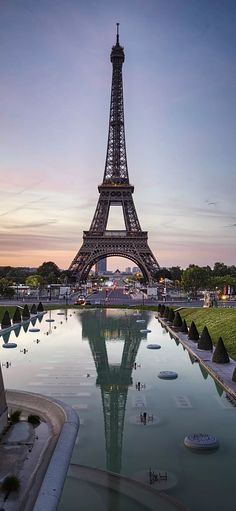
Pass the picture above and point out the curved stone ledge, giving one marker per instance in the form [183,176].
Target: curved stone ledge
[43,490]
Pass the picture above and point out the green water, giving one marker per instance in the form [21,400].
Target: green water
[88,360]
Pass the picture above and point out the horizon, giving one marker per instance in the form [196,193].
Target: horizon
[180,120]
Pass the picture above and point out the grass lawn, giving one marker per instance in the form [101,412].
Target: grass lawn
[219,321]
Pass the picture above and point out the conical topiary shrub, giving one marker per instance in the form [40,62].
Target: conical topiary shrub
[162,310]
[33,309]
[234,375]
[193,334]
[6,320]
[159,307]
[220,355]
[177,323]
[205,342]
[184,328]
[16,316]
[166,313]
[40,307]
[171,315]
[26,312]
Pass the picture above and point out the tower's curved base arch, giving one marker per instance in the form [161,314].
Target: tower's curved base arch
[133,247]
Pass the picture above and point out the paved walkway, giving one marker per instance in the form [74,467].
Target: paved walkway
[220,372]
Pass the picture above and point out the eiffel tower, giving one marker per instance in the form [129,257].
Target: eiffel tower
[114,380]
[116,189]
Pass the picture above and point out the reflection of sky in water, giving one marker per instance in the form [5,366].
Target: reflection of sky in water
[88,361]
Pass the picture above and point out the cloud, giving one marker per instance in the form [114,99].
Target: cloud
[32,224]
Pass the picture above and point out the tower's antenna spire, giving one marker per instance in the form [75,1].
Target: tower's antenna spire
[117,33]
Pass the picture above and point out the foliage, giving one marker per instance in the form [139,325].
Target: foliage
[220,269]
[205,342]
[177,323]
[220,355]
[166,313]
[162,310]
[195,278]
[34,420]
[33,309]
[220,321]
[49,271]
[184,328]
[193,334]
[6,320]
[26,312]
[16,316]
[10,484]
[234,375]
[176,273]
[171,315]
[5,289]
[40,307]
[159,307]
[15,416]
[34,281]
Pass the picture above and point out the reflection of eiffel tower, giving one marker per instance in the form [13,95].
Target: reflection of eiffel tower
[114,381]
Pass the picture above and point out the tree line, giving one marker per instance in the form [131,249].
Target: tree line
[191,279]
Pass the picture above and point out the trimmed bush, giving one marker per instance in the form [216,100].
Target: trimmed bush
[34,420]
[33,309]
[234,375]
[184,328]
[166,313]
[177,323]
[220,355]
[158,307]
[16,316]
[171,316]
[40,307]
[162,310]
[176,341]
[9,484]
[193,334]
[205,342]
[6,320]
[26,312]
[15,416]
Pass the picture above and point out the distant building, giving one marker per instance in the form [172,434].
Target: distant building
[128,270]
[135,269]
[101,266]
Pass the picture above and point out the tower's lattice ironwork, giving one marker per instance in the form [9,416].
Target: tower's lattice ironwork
[116,189]
[114,380]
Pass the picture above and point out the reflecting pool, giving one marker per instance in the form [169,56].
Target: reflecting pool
[98,362]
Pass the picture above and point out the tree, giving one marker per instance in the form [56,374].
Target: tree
[6,320]
[220,269]
[171,315]
[176,273]
[5,288]
[184,328]
[220,355]
[205,342]
[34,280]
[16,316]
[195,278]
[26,312]
[193,334]
[49,271]
[177,323]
